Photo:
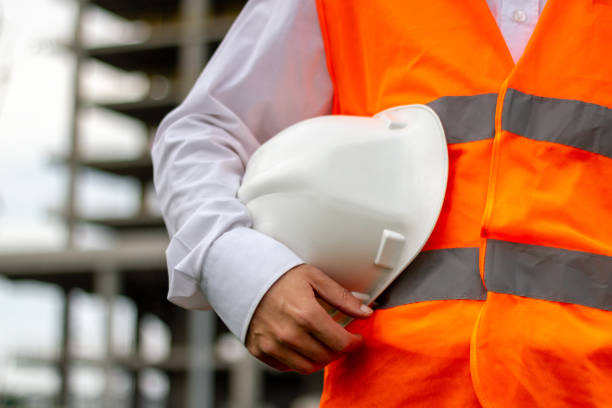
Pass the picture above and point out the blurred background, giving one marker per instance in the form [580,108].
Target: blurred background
[83,316]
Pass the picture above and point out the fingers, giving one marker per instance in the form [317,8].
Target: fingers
[307,342]
[332,335]
[312,349]
[291,329]
[337,296]
[274,363]
[298,362]
[284,358]
[311,317]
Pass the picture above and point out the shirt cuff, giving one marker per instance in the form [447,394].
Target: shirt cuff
[240,267]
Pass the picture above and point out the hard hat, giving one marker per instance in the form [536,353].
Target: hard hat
[356,197]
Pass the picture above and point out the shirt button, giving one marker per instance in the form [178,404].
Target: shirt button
[519,16]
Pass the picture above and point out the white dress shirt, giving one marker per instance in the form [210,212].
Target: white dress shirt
[269,72]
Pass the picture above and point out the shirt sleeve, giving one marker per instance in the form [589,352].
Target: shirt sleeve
[268,73]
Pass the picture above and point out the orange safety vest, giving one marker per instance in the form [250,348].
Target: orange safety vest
[528,212]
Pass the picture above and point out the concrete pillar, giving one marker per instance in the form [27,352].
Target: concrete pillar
[201,377]
[73,163]
[192,55]
[245,383]
[107,285]
[64,357]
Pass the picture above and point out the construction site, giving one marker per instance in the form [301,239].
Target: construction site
[194,361]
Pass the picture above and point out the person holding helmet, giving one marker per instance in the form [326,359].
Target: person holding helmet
[508,304]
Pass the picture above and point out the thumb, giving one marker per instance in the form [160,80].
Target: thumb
[337,296]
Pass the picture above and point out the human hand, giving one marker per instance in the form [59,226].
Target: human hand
[291,329]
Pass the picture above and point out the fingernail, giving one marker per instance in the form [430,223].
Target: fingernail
[366,309]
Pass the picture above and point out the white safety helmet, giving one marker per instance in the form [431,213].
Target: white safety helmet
[357,197]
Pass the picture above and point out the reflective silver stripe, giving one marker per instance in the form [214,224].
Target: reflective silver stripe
[549,273]
[441,274]
[573,123]
[466,118]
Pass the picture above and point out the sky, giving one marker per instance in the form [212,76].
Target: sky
[34,108]
[36,72]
